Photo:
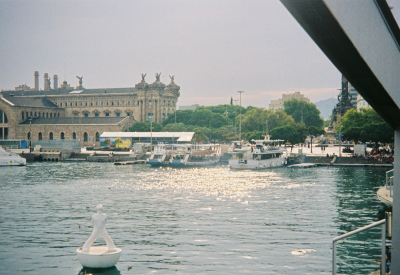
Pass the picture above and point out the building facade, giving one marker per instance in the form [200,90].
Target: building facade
[51,108]
[278,104]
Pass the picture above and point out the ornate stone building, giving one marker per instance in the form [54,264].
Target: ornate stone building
[68,113]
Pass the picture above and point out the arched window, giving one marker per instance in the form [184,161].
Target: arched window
[51,115]
[40,136]
[28,136]
[97,136]
[3,117]
[55,115]
[51,136]
[23,116]
[85,137]
[35,114]
[47,115]
[62,136]
[43,115]
[58,115]
[31,114]
[73,135]
[107,114]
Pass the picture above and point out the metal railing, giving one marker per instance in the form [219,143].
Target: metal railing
[361,229]
[389,181]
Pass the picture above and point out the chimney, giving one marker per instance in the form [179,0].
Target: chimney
[36,74]
[55,81]
[46,86]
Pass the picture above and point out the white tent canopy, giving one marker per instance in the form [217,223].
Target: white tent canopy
[182,136]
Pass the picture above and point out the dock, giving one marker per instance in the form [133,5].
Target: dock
[302,165]
[130,162]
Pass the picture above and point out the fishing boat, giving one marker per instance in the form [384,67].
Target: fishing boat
[163,153]
[181,155]
[10,159]
[203,155]
[265,153]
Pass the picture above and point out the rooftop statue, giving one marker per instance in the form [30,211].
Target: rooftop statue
[143,76]
[99,228]
[172,78]
[80,80]
[158,77]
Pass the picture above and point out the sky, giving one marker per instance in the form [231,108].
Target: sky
[214,48]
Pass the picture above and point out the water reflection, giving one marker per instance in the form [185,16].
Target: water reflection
[211,220]
[103,271]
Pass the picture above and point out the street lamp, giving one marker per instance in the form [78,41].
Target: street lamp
[340,122]
[30,134]
[236,100]
[240,117]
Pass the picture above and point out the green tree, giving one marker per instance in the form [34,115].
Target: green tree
[256,120]
[145,127]
[302,111]
[183,116]
[286,132]
[174,127]
[365,125]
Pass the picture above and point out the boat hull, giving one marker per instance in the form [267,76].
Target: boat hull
[12,162]
[243,164]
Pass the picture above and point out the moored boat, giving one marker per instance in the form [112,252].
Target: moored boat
[10,159]
[266,153]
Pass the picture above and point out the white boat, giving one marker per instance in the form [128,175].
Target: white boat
[181,155]
[203,155]
[168,154]
[266,153]
[10,159]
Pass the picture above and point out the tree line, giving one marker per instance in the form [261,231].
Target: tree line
[221,123]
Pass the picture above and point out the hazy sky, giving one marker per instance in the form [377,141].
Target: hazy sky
[214,48]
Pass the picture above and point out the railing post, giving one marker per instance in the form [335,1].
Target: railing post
[383,265]
[333,257]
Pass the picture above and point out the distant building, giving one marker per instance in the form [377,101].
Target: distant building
[361,103]
[278,104]
[191,107]
[82,114]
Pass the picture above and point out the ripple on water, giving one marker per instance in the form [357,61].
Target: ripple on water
[200,220]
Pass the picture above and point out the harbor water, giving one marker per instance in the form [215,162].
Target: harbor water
[190,221]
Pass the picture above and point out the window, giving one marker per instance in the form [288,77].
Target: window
[85,137]
[96,115]
[91,103]
[86,115]
[128,114]
[118,114]
[40,136]
[27,115]
[129,102]
[117,103]
[112,103]
[97,103]
[85,103]
[51,136]
[31,114]
[23,116]
[163,116]
[47,115]
[81,103]
[73,135]
[35,114]
[58,114]
[107,103]
[39,114]
[62,136]
[65,104]
[76,103]
[102,103]
[55,115]
[51,115]
[97,136]
[43,115]
[107,114]
[70,104]
[150,116]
